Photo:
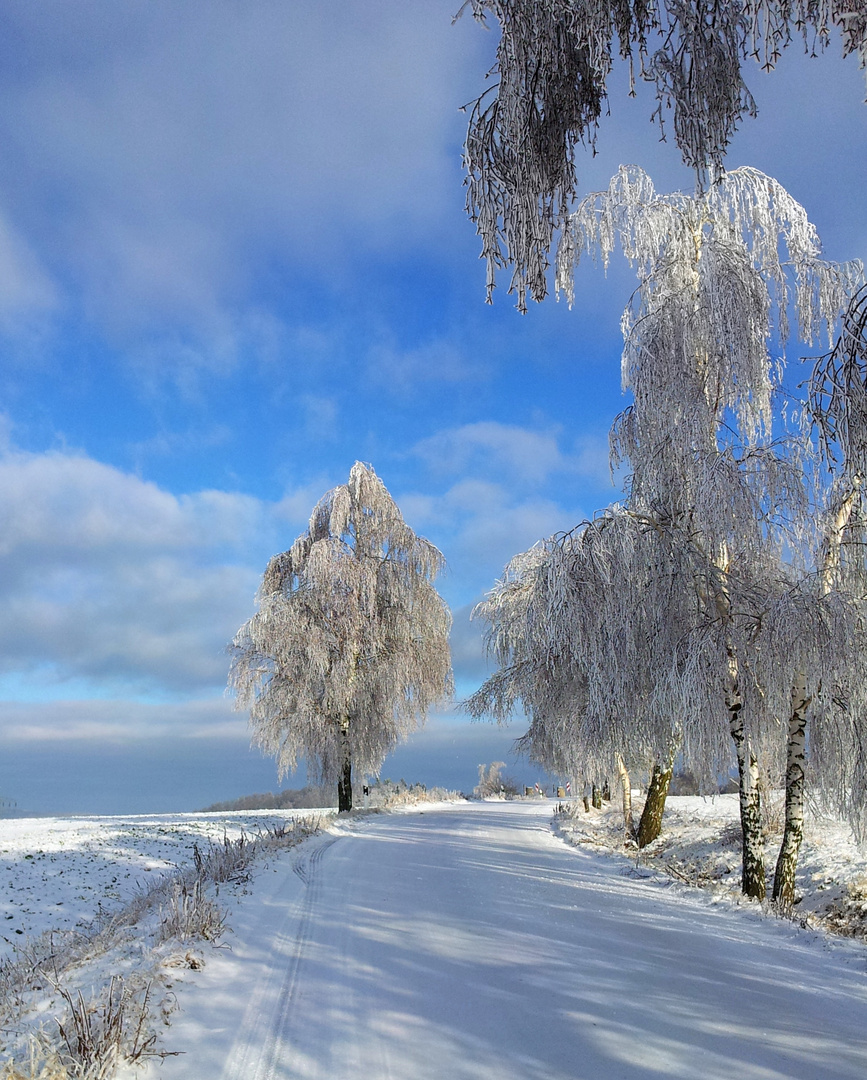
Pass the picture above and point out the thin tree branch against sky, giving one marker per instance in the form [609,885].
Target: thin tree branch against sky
[234,260]
[548,90]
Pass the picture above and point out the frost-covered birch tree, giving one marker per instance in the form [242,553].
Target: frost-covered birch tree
[717,273]
[588,630]
[838,732]
[349,647]
[820,621]
[548,89]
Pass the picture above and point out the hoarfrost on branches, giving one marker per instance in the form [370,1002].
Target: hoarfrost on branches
[717,274]
[548,89]
[838,407]
[349,648]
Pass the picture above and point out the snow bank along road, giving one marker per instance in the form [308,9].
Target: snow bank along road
[470,942]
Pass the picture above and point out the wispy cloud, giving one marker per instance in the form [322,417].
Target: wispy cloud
[25,287]
[518,455]
[118,721]
[495,489]
[404,369]
[469,657]
[110,581]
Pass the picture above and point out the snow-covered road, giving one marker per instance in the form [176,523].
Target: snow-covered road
[470,942]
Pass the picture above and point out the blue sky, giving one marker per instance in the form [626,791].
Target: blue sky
[233,260]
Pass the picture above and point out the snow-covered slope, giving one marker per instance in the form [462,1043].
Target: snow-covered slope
[700,844]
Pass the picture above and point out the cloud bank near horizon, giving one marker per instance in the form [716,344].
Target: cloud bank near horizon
[118,598]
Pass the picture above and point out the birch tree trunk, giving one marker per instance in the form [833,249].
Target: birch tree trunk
[344,783]
[626,789]
[834,538]
[796,744]
[784,877]
[650,823]
[753,847]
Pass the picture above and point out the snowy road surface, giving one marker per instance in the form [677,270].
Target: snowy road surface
[470,942]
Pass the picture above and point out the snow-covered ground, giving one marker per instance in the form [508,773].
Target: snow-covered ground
[700,845]
[57,872]
[469,941]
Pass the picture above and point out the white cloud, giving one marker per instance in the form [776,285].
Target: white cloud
[106,577]
[113,587]
[295,507]
[506,487]
[180,443]
[512,454]
[25,287]
[172,153]
[117,721]
[479,525]
[162,160]
[469,657]
[401,370]
[496,529]
[96,510]
[320,416]
[511,451]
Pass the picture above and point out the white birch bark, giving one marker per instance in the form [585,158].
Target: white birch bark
[796,744]
[834,539]
[753,846]
[796,759]
[626,791]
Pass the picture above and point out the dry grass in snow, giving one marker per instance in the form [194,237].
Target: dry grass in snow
[99,916]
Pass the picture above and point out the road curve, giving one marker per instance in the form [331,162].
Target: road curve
[470,943]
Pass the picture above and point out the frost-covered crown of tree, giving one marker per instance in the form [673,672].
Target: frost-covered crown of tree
[718,273]
[349,648]
[591,631]
[548,90]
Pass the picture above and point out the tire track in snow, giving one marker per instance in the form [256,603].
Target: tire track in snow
[265,1031]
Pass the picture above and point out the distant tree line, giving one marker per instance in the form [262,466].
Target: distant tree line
[313,795]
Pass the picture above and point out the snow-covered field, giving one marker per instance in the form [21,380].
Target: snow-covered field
[99,913]
[57,872]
